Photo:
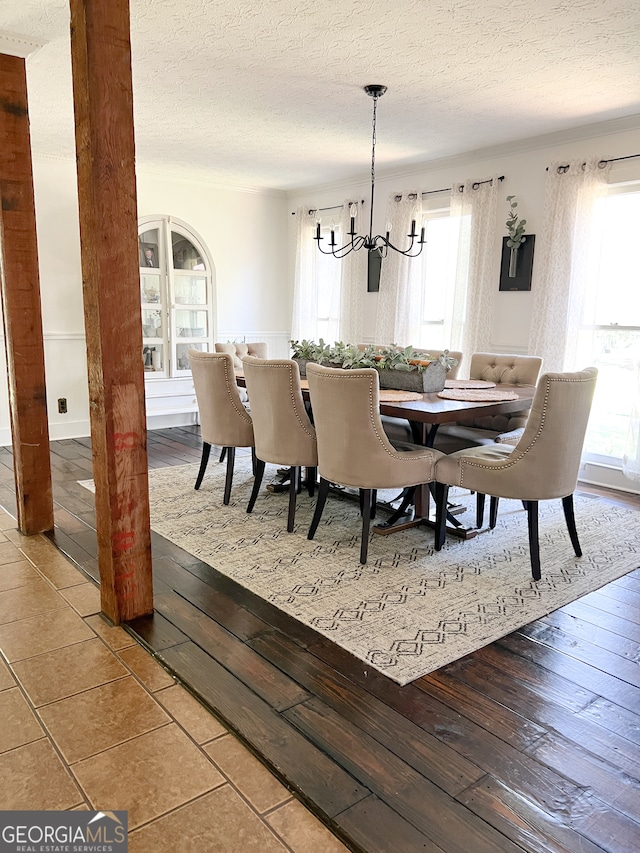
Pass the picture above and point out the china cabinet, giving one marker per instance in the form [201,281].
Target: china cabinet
[177,303]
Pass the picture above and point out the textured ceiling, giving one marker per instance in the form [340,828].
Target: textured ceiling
[268,93]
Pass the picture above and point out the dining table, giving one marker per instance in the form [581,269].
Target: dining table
[426,413]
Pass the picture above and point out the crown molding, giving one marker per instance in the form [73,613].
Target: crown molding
[15,44]
[517,146]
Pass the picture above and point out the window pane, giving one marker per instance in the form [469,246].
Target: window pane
[617,357]
[151,324]
[191,324]
[328,275]
[185,255]
[150,288]
[153,358]
[182,353]
[148,252]
[190,290]
[618,299]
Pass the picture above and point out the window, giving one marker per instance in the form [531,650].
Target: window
[328,281]
[176,293]
[436,278]
[609,336]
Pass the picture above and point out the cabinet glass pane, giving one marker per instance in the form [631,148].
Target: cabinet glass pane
[191,324]
[153,358]
[185,254]
[148,249]
[151,323]
[150,288]
[182,354]
[190,290]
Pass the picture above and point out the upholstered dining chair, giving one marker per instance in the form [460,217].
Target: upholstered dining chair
[353,449]
[284,435]
[237,350]
[224,421]
[543,465]
[502,429]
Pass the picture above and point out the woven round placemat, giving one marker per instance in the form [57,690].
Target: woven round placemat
[469,383]
[471,395]
[392,396]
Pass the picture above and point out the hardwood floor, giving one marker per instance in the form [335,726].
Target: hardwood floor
[530,744]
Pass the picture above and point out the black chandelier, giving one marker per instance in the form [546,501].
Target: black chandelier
[378,243]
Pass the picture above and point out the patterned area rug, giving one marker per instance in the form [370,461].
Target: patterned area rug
[410,610]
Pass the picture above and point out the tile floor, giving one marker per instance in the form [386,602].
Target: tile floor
[91,720]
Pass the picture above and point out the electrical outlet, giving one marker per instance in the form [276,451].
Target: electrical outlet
[62,405]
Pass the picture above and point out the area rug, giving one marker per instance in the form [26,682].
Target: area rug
[410,610]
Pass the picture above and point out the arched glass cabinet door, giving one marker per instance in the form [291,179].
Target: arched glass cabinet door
[177,295]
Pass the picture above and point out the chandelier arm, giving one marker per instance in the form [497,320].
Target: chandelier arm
[384,243]
[343,251]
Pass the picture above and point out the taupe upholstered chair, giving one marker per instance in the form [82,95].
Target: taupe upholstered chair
[224,421]
[353,449]
[284,435]
[237,351]
[501,429]
[542,466]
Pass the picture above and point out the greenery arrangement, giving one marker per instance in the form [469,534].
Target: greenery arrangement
[515,225]
[349,356]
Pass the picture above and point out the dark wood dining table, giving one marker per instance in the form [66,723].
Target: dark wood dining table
[425,414]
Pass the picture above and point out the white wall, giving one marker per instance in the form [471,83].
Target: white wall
[524,172]
[246,233]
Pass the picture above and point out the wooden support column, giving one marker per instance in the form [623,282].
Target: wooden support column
[102,90]
[21,305]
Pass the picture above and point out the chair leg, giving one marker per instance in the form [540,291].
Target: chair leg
[254,461]
[223,453]
[366,495]
[294,487]
[374,502]
[569,517]
[312,473]
[534,544]
[323,491]
[231,458]
[206,450]
[479,509]
[258,473]
[493,512]
[442,495]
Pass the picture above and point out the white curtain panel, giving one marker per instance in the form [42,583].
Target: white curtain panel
[474,204]
[393,317]
[305,292]
[353,279]
[562,286]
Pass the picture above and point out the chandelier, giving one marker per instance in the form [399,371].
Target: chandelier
[378,243]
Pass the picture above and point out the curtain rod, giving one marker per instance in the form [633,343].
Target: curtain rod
[601,163]
[475,186]
[322,209]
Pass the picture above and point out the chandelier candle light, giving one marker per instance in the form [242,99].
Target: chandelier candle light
[378,243]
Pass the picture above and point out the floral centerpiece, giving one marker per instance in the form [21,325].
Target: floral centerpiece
[401,368]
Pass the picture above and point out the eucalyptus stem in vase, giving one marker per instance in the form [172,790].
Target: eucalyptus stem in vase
[515,227]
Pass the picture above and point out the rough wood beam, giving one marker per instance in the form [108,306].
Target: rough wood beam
[21,305]
[102,89]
